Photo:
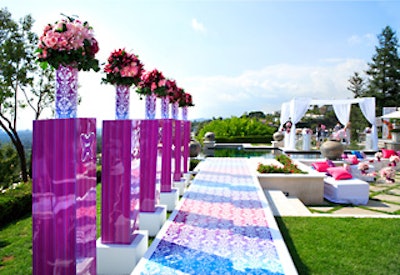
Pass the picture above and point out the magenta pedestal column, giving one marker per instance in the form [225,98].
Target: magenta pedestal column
[148,164]
[186,144]
[177,150]
[64,196]
[166,155]
[120,181]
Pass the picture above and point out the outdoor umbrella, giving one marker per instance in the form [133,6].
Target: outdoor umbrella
[395,114]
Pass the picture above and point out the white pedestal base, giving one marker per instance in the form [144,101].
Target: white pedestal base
[181,186]
[153,221]
[170,199]
[121,258]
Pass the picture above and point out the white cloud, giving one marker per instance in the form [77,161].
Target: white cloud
[266,89]
[367,39]
[197,26]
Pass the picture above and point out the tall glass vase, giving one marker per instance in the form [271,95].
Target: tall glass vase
[184,113]
[165,107]
[122,102]
[175,110]
[66,92]
[150,106]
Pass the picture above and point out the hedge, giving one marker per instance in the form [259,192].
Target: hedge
[15,203]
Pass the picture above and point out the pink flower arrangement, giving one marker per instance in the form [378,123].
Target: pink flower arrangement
[152,82]
[393,160]
[123,68]
[378,156]
[363,167]
[388,173]
[68,42]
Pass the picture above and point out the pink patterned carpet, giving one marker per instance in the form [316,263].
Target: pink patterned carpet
[223,225]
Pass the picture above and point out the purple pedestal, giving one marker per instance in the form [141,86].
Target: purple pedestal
[64,196]
[148,164]
[166,155]
[186,144]
[120,181]
[177,150]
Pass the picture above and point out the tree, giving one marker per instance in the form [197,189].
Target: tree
[384,71]
[9,170]
[357,85]
[19,84]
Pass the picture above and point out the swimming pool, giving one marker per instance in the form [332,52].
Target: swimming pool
[240,151]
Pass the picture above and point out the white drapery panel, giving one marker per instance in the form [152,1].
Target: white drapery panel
[367,106]
[285,115]
[298,108]
[342,111]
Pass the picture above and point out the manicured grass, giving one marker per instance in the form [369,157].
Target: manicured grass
[326,245]
[16,247]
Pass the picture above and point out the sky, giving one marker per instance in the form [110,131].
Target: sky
[231,56]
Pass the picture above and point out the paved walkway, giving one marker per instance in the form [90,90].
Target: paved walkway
[222,225]
[384,202]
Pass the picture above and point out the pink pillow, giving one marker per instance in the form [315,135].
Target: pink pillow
[320,166]
[353,159]
[339,173]
[387,153]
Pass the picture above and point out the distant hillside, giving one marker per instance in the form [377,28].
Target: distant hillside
[25,136]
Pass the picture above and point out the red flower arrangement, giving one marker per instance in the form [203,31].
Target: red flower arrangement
[68,42]
[152,82]
[176,95]
[185,100]
[123,68]
[171,87]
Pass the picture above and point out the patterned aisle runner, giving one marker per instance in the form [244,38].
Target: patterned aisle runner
[223,225]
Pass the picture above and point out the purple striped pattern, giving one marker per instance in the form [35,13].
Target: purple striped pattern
[120,181]
[177,150]
[166,156]
[64,196]
[186,142]
[148,164]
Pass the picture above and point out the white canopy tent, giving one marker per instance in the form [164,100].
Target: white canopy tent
[297,107]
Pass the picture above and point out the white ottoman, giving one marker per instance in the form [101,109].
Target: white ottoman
[351,191]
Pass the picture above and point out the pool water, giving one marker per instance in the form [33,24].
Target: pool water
[263,153]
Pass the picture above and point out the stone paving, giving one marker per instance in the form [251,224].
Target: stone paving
[384,200]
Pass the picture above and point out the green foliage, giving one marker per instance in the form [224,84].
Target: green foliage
[288,166]
[235,127]
[15,202]
[9,168]
[193,163]
[20,83]
[384,71]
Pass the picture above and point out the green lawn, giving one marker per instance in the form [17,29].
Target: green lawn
[318,245]
[328,245]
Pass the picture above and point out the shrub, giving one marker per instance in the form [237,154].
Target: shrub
[15,203]
[193,163]
[288,166]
